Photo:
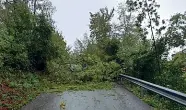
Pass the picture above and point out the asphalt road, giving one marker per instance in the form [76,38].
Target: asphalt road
[116,99]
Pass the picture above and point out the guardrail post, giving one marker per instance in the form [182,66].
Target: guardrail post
[142,91]
[121,80]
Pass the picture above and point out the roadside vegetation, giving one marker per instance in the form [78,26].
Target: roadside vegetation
[34,57]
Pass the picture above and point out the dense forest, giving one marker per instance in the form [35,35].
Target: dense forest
[34,56]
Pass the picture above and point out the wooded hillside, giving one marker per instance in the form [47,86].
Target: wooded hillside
[34,56]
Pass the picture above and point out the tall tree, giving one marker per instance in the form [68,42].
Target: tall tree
[147,11]
[101,31]
[100,26]
[176,32]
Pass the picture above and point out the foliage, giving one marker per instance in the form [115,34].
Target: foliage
[172,72]
[100,72]
[17,90]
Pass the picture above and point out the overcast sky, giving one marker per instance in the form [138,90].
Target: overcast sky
[72,16]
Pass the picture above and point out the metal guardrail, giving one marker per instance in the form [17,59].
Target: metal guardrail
[166,92]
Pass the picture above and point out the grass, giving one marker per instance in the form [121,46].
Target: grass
[76,87]
[17,90]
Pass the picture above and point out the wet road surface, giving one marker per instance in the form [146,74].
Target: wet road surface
[116,99]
